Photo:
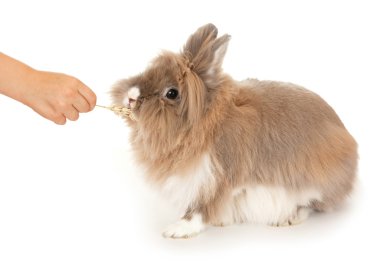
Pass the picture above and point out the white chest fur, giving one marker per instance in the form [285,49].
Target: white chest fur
[184,189]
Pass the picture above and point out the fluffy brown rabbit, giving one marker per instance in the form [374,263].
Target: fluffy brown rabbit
[231,152]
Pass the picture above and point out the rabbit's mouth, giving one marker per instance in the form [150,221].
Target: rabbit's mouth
[131,97]
[129,103]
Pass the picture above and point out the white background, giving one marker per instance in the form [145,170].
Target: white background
[70,198]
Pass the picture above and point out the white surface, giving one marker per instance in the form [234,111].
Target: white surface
[70,200]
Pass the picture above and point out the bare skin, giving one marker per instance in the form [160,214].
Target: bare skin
[55,96]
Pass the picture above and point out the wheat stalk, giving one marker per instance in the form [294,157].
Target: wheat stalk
[120,111]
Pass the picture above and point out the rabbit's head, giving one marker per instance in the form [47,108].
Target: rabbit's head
[176,89]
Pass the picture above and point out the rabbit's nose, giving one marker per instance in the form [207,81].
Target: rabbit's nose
[131,102]
[132,95]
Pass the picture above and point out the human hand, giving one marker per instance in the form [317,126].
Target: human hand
[57,96]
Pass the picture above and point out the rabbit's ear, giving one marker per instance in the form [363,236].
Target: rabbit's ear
[205,52]
[200,40]
[219,50]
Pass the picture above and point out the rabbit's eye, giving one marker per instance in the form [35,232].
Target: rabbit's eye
[172,94]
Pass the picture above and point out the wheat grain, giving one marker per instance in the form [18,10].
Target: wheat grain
[120,111]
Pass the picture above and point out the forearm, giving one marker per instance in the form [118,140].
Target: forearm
[15,77]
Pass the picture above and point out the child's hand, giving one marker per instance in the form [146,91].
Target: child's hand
[54,96]
[58,96]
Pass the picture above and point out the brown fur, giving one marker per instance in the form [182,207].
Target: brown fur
[256,132]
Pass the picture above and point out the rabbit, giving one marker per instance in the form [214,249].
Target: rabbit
[228,152]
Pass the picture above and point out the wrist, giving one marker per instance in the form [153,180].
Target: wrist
[20,83]
[29,85]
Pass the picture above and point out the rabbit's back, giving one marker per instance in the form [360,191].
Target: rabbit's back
[282,134]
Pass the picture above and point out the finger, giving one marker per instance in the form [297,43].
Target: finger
[71,113]
[81,104]
[60,120]
[50,114]
[88,94]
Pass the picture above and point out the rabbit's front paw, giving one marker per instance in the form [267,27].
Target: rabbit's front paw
[185,228]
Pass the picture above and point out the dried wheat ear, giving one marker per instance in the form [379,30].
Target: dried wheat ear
[120,111]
